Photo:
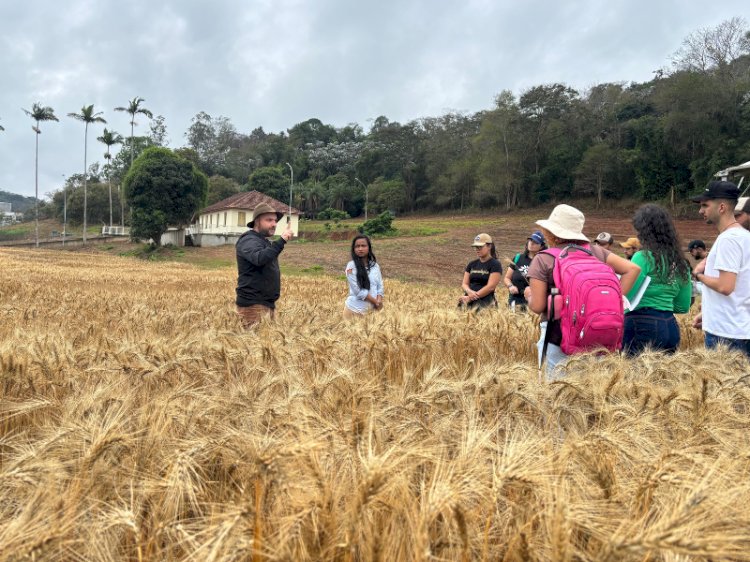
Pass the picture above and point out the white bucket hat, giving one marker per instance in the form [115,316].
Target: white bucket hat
[565,222]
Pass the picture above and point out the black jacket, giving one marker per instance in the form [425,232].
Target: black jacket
[259,278]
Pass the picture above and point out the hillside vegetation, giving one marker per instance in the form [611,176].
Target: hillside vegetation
[138,423]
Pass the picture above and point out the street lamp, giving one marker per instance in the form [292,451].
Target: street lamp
[291,185]
[65,210]
[363,185]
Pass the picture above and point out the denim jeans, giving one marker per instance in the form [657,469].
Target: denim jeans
[739,345]
[650,328]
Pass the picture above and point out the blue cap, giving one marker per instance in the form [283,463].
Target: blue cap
[537,237]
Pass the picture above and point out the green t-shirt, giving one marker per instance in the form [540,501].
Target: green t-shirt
[661,294]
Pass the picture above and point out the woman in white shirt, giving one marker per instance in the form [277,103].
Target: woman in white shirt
[364,278]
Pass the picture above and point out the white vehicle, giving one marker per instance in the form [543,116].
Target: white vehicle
[736,174]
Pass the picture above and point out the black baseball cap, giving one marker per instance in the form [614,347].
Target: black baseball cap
[718,190]
[696,244]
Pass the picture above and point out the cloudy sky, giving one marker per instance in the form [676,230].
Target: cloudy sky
[275,63]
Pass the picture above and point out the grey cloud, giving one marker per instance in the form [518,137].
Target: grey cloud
[275,63]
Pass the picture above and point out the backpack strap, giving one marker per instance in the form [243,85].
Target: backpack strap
[516,258]
[555,253]
[564,252]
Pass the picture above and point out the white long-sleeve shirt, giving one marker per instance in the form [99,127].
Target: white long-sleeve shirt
[356,300]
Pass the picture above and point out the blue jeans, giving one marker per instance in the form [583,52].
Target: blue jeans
[650,328]
[739,345]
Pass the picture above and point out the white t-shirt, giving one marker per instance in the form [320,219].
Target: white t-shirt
[729,316]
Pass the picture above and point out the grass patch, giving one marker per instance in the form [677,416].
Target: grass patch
[14,233]
[312,270]
[212,263]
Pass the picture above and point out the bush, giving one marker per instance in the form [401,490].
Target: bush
[332,214]
[379,225]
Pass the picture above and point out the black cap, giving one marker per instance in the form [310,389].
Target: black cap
[696,244]
[718,190]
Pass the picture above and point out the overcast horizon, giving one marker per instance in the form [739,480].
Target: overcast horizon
[275,64]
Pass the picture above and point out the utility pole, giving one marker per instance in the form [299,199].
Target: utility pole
[291,185]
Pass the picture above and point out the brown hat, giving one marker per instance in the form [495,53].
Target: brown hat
[263,209]
[631,243]
[482,239]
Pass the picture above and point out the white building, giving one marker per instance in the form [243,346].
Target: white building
[7,216]
[224,222]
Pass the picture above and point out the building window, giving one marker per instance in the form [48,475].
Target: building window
[241,219]
[225,218]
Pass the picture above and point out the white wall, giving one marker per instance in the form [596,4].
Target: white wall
[233,221]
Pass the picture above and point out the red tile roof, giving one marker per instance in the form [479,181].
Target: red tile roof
[247,201]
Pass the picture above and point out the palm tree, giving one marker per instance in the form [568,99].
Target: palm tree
[134,107]
[110,138]
[88,116]
[38,113]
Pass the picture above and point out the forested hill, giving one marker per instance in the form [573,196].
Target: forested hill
[19,202]
[660,139]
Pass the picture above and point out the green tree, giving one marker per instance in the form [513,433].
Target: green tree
[87,116]
[385,195]
[120,162]
[341,194]
[448,154]
[212,139]
[311,133]
[111,138]
[219,188]
[158,134]
[97,209]
[38,113]
[499,148]
[162,190]
[134,108]
[382,224]
[271,180]
[596,170]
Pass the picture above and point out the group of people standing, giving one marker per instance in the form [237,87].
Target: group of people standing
[654,276]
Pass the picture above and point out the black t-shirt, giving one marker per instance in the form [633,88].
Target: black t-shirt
[520,272]
[479,276]
[520,268]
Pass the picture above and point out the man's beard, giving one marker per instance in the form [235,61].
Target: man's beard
[266,232]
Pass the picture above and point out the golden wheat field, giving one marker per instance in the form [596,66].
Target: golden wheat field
[138,423]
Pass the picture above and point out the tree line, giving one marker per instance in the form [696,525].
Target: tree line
[660,139]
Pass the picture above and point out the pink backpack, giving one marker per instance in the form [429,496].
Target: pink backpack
[587,299]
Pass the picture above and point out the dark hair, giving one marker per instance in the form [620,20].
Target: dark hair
[362,278]
[526,247]
[658,235]
[493,253]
